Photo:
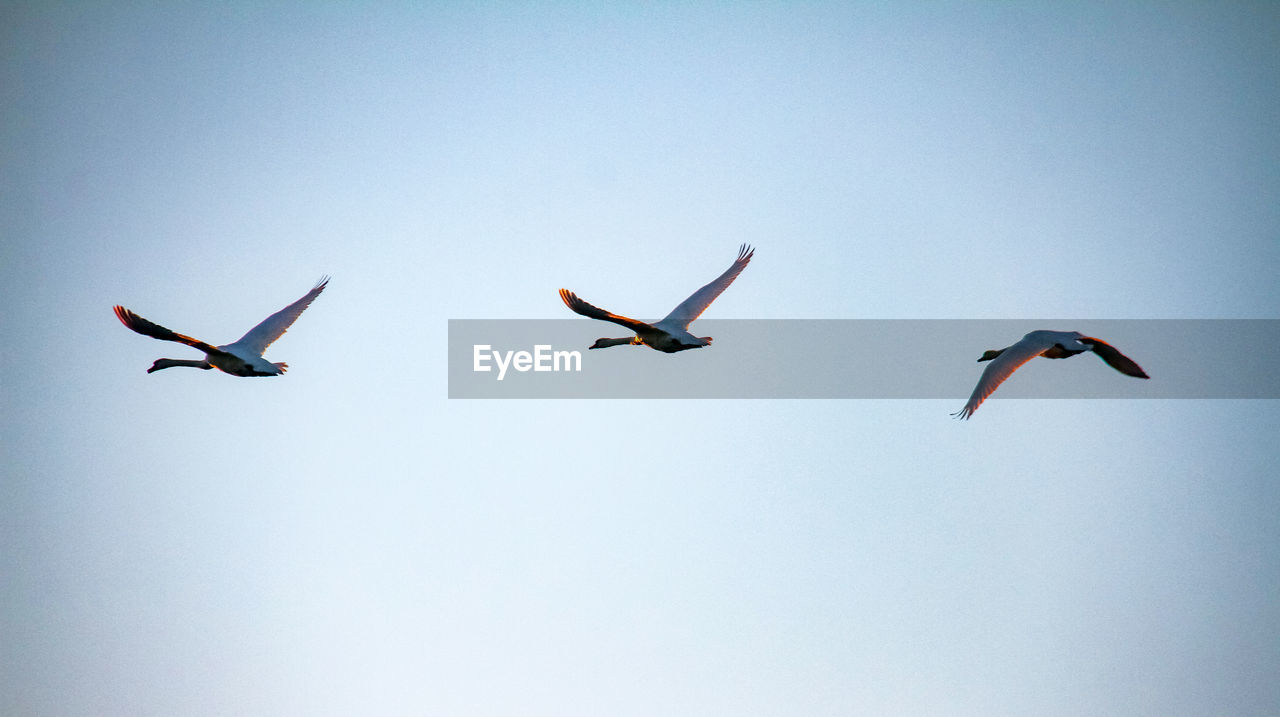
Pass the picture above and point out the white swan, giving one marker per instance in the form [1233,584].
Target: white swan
[672,333]
[242,358]
[1049,344]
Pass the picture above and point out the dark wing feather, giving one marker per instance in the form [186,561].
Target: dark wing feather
[1114,358]
[578,306]
[156,331]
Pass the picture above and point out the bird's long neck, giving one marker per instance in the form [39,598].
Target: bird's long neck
[170,363]
[606,343]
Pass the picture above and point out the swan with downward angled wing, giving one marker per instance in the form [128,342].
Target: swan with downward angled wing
[1049,344]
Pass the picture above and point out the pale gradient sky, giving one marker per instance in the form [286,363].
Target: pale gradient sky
[346,540]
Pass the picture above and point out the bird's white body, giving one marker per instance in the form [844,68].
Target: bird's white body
[240,361]
[1049,344]
[671,334]
[240,358]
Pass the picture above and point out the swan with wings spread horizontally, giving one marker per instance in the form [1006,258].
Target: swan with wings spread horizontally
[672,333]
[241,358]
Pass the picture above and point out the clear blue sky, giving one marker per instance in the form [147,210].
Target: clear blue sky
[345,540]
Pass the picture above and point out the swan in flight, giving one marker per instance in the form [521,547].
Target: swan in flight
[242,358]
[1049,344]
[672,333]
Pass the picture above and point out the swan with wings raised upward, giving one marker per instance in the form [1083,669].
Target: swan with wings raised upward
[1049,344]
[242,358]
[672,333]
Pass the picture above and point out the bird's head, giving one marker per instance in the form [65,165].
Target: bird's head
[990,354]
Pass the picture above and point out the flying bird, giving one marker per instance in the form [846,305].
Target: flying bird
[1049,344]
[672,333]
[242,358]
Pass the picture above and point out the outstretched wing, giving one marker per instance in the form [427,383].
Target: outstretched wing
[1114,358]
[692,307]
[578,306]
[1001,368]
[156,331]
[274,326]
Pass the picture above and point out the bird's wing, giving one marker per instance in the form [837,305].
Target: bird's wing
[1001,367]
[274,326]
[692,307]
[156,331]
[1114,358]
[578,306]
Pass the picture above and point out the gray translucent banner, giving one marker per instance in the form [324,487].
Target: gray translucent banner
[804,358]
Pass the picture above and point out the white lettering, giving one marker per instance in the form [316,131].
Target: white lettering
[543,358]
[498,358]
[566,355]
[478,356]
[540,357]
